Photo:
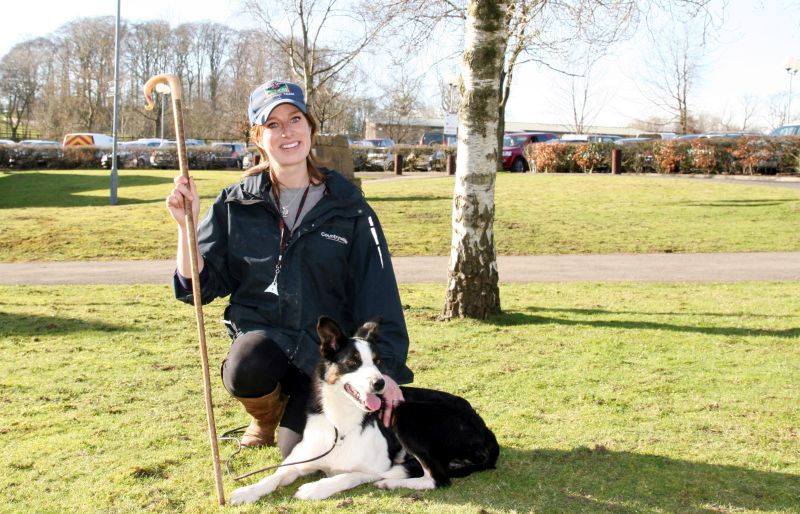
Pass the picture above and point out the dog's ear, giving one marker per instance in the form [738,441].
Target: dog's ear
[330,335]
[369,330]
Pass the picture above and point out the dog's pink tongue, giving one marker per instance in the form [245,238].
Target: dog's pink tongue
[373,402]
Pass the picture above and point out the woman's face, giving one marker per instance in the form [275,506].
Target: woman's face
[286,138]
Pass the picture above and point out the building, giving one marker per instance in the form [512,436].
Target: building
[409,130]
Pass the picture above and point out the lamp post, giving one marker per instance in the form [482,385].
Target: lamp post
[792,66]
[114,174]
[453,96]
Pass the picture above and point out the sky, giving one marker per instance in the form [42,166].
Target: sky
[746,61]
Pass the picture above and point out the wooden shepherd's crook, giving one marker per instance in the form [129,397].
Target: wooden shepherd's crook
[170,84]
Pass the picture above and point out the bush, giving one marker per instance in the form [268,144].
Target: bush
[79,157]
[638,157]
[415,157]
[669,155]
[592,157]
[5,154]
[551,157]
[785,153]
[26,157]
[750,153]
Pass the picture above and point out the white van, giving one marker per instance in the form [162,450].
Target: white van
[88,139]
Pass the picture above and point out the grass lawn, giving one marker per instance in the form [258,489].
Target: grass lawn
[625,398]
[64,215]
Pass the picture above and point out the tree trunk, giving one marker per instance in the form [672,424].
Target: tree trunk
[501,118]
[472,289]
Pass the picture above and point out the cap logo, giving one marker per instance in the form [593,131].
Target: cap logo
[278,88]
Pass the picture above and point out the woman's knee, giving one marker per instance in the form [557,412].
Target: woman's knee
[254,366]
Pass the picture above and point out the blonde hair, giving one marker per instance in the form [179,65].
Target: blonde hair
[256,133]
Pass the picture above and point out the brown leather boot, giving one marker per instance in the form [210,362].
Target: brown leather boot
[266,412]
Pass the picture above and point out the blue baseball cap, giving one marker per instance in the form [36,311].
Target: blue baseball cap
[269,95]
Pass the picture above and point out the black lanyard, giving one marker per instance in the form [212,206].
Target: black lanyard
[282,222]
[273,287]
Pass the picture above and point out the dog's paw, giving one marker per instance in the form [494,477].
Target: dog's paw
[243,495]
[313,491]
[420,483]
[386,483]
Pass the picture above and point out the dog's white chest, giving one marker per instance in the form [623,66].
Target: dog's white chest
[358,449]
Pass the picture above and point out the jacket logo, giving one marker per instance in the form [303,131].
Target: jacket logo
[334,237]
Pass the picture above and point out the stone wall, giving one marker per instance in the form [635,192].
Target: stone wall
[334,152]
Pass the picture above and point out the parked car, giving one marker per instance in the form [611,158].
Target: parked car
[588,138]
[7,142]
[250,159]
[380,155]
[656,135]
[131,154]
[166,155]
[38,142]
[631,140]
[731,135]
[786,130]
[514,148]
[34,151]
[380,143]
[88,139]
[437,138]
[233,153]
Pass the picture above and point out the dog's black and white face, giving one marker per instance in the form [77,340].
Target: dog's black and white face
[351,363]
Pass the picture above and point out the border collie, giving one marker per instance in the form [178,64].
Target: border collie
[434,436]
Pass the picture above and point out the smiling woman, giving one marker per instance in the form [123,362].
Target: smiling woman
[290,242]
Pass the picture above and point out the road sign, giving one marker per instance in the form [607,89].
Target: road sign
[451,124]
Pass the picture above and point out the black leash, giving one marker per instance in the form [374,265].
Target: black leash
[228,437]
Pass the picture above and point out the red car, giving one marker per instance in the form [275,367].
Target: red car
[514,148]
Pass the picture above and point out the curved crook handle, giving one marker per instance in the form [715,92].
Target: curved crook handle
[166,83]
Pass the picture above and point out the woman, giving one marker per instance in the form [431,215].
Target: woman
[290,242]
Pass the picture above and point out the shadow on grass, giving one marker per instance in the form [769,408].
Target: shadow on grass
[520,318]
[42,189]
[599,480]
[26,325]
[372,199]
[596,480]
[742,203]
[661,313]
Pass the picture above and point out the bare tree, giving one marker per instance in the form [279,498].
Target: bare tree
[215,37]
[401,101]
[578,89]
[148,52]
[472,287]
[91,69]
[749,107]
[336,99]
[323,37]
[20,80]
[776,110]
[676,65]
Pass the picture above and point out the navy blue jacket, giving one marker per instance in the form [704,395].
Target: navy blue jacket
[336,263]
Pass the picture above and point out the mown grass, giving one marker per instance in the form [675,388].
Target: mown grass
[624,397]
[64,215]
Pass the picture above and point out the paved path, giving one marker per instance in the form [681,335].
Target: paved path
[715,267]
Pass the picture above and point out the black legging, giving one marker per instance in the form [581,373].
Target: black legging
[255,365]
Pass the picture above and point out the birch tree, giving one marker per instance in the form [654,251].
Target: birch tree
[472,279]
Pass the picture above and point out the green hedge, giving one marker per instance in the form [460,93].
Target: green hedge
[415,157]
[25,157]
[723,156]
